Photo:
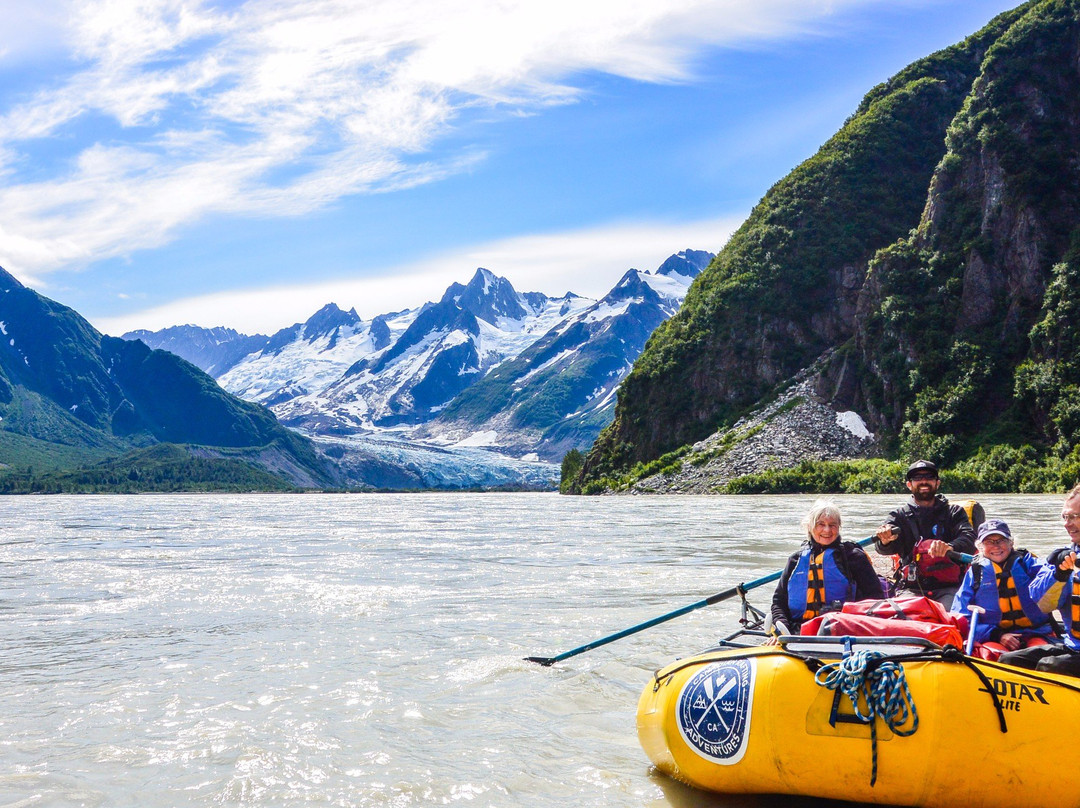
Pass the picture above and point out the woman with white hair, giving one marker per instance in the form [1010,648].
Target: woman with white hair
[823,574]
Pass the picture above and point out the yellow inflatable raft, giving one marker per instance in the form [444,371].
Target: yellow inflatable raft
[965,733]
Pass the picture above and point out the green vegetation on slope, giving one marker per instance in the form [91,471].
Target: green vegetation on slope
[767,305]
[160,468]
[972,342]
[72,399]
[28,455]
[964,339]
[998,470]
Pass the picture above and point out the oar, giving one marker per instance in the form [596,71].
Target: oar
[976,611]
[960,558]
[701,604]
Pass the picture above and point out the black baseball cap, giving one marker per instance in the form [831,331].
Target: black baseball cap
[921,465]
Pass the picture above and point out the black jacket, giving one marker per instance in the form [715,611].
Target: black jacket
[852,561]
[943,521]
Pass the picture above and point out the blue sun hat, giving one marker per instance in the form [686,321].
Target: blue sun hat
[993,527]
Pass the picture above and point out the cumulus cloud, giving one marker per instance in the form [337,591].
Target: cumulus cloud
[587,262]
[174,110]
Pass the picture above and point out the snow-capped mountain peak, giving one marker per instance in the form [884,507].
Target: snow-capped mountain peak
[688,263]
[493,299]
[327,320]
[560,391]
[635,284]
[336,373]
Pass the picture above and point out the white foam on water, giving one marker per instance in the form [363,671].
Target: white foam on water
[366,650]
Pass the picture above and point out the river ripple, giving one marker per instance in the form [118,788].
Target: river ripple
[366,650]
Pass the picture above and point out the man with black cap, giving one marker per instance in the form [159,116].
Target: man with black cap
[921,532]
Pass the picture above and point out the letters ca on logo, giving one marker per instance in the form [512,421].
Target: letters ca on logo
[714,710]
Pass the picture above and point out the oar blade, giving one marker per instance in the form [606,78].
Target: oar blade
[547,662]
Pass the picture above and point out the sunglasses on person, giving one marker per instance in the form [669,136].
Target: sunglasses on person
[925,475]
[1000,541]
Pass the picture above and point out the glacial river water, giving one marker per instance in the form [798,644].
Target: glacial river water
[366,650]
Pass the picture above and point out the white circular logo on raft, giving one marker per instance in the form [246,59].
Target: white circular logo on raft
[713,711]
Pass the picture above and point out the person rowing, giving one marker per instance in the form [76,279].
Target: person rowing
[921,533]
[822,575]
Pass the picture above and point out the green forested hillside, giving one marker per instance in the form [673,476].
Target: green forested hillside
[931,244]
[164,468]
[972,339]
[74,400]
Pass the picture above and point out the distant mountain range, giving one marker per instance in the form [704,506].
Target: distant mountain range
[82,412]
[521,373]
[215,350]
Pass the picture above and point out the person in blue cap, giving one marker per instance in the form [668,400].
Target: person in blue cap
[1057,587]
[921,532]
[998,581]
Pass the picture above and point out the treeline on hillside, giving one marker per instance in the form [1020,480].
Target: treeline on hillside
[164,469]
[997,470]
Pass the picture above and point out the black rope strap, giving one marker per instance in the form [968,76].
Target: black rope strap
[952,654]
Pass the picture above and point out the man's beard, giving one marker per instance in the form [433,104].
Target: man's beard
[921,494]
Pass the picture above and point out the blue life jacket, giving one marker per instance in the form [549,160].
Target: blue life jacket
[837,585]
[1070,611]
[983,591]
[1052,594]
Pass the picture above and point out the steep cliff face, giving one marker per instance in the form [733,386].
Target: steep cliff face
[946,326]
[787,286]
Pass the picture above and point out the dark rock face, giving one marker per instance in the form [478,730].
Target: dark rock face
[918,244]
[957,300]
[380,333]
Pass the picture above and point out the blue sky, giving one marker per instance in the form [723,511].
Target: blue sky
[242,163]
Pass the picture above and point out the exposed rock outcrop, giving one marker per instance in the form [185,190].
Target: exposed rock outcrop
[933,244]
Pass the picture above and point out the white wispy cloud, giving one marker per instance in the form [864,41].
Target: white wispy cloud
[587,262]
[175,110]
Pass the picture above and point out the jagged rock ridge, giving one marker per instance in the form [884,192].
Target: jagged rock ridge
[520,373]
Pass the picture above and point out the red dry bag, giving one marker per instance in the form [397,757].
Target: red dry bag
[839,624]
[919,608]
